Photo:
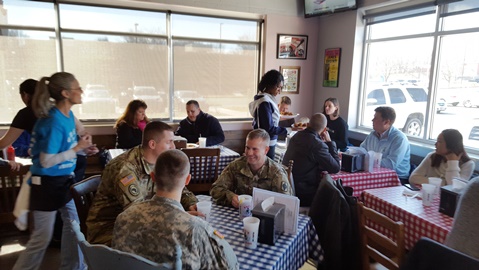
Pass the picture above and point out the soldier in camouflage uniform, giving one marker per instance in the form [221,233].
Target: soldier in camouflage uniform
[254,169]
[126,179]
[152,229]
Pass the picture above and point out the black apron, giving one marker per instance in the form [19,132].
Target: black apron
[52,194]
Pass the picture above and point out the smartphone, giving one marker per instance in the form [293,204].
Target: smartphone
[411,187]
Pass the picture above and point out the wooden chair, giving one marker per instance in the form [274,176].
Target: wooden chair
[289,171]
[204,164]
[100,257]
[377,246]
[83,193]
[10,183]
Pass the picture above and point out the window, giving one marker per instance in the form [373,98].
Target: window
[120,54]
[420,67]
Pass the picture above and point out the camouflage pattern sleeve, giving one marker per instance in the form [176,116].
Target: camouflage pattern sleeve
[216,252]
[222,189]
[188,199]
[127,187]
[280,180]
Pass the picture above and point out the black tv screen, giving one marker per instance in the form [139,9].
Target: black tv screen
[322,7]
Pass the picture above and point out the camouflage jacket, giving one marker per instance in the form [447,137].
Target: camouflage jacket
[153,229]
[125,180]
[237,179]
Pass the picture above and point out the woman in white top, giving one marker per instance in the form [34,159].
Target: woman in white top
[450,160]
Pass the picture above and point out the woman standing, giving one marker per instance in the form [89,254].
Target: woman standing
[337,127]
[129,127]
[18,135]
[54,151]
[264,108]
[450,160]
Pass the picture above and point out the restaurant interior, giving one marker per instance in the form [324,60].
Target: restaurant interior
[216,51]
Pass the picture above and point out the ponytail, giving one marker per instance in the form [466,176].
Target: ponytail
[41,103]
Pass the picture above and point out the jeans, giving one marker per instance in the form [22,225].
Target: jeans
[71,256]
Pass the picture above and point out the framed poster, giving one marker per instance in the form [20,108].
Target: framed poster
[291,79]
[292,46]
[331,67]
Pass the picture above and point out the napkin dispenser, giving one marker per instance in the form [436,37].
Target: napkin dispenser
[271,224]
[449,200]
[352,163]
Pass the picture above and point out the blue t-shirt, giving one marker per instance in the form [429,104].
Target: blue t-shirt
[53,135]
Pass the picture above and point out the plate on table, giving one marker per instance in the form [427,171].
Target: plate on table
[299,126]
[191,145]
[282,116]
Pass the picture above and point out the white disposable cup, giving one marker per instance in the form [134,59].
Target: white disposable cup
[437,182]
[245,206]
[427,193]
[377,160]
[251,227]
[205,208]
[202,142]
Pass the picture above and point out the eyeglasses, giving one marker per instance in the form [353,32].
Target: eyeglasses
[79,88]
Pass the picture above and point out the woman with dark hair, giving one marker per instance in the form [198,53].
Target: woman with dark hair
[129,127]
[54,151]
[264,108]
[337,127]
[18,135]
[449,161]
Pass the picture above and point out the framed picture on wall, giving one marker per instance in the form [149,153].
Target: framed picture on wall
[292,46]
[331,67]
[291,79]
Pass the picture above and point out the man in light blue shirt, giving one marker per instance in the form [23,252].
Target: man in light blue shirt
[389,141]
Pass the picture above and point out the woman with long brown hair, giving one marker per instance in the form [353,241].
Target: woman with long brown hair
[449,161]
[129,127]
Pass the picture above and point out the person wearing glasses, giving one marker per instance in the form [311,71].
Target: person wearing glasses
[54,153]
[264,109]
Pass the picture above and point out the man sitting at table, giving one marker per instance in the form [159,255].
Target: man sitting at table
[200,124]
[126,179]
[313,152]
[389,141]
[153,228]
[254,169]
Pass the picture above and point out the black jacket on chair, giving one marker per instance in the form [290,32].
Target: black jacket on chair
[334,216]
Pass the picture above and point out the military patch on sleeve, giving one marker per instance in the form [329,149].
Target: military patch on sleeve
[133,189]
[127,180]
[284,186]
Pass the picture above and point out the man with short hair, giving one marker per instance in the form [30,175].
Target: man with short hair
[126,179]
[313,152]
[389,141]
[254,169]
[153,228]
[200,124]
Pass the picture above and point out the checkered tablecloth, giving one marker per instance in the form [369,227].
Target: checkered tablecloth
[289,251]
[418,220]
[226,156]
[361,181]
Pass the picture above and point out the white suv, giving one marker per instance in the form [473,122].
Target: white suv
[409,102]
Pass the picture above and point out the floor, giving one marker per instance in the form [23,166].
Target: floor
[11,244]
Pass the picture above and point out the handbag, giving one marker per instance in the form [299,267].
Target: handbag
[20,211]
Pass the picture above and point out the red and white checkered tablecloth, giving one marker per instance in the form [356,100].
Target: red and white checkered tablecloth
[418,220]
[361,181]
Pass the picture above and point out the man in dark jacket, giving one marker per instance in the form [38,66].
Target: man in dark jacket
[313,152]
[200,124]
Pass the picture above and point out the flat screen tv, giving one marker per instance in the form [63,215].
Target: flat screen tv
[322,7]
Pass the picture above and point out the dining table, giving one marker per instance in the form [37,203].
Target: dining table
[360,181]
[419,220]
[226,156]
[288,252]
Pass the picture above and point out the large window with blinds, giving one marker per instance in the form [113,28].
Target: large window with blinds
[119,54]
[423,61]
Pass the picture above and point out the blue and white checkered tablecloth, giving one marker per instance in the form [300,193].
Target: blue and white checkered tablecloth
[289,252]
[226,156]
